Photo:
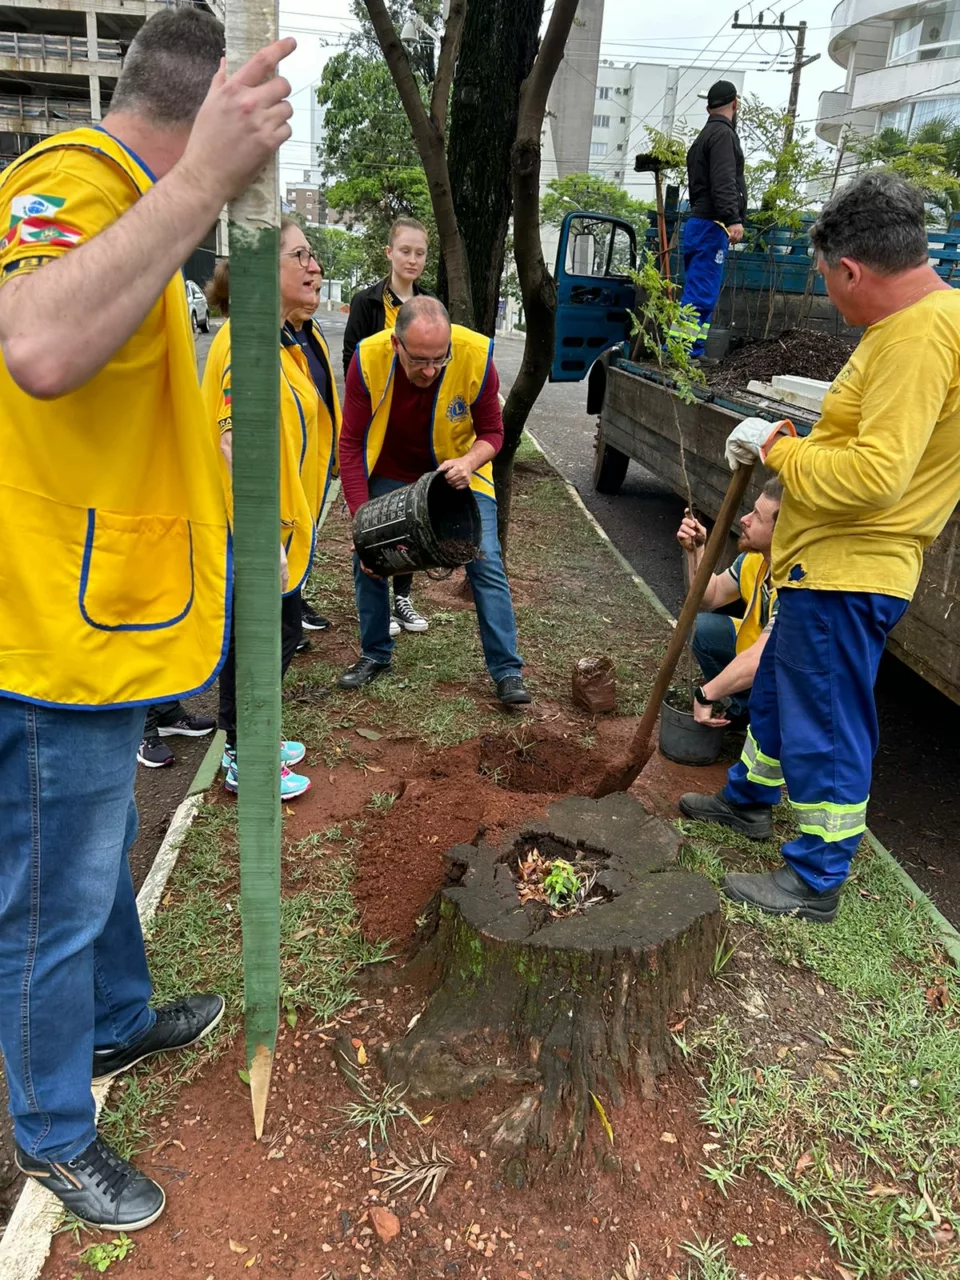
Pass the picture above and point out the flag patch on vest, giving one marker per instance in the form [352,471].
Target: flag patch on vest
[34,207]
[41,231]
[31,222]
[457,409]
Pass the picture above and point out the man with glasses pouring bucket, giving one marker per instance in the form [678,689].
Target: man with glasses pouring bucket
[422,398]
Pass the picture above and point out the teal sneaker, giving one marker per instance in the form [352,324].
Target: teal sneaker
[291,753]
[291,784]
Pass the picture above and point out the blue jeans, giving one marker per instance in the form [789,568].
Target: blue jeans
[813,724]
[73,973]
[715,647]
[491,594]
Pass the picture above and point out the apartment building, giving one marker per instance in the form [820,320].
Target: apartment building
[59,62]
[632,96]
[901,64]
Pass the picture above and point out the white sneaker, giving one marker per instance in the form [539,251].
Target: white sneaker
[394,627]
[407,616]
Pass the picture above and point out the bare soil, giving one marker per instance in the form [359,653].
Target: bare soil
[300,1201]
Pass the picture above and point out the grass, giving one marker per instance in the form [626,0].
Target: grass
[868,1145]
[194,945]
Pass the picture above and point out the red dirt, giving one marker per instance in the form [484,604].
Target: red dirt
[299,1202]
[461,796]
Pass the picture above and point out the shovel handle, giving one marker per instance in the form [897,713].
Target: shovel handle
[638,754]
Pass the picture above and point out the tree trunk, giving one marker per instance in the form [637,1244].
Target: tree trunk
[429,136]
[579,1007]
[497,51]
[255,326]
[537,286]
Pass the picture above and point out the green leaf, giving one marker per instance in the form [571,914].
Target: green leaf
[244,1076]
[291,1017]
[371,734]
[607,1126]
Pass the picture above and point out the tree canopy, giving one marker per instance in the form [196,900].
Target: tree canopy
[583,192]
[929,158]
[368,156]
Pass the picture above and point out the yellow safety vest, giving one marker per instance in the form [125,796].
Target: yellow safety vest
[753,575]
[318,458]
[458,388]
[116,566]
[298,426]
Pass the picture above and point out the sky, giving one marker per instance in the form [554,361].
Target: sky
[631,33]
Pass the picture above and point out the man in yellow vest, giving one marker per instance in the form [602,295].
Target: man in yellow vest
[728,649]
[864,493]
[424,397]
[115,567]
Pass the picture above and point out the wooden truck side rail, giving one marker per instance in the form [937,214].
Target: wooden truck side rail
[638,419]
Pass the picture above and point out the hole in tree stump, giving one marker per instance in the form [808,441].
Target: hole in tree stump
[554,882]
[581,1007]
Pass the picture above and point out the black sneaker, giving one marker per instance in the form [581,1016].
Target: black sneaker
[362,673]
[178,1026]
[755,821]
[99,1188]
[312,621]
[407,616]
[512,692]
[154,754]
[188,726]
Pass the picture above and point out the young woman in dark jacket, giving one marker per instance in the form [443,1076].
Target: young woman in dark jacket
[374,309]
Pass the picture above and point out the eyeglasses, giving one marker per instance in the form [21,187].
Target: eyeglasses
[427,362]
[303,256]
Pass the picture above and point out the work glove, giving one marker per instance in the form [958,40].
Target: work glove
[752,439]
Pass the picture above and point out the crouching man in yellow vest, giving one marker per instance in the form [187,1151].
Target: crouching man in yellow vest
[729,649]
[115,567]
[422,398]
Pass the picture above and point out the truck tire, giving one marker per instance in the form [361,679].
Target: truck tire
[610,466]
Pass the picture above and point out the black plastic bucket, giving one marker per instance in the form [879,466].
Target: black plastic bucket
[684,741]
[415,527]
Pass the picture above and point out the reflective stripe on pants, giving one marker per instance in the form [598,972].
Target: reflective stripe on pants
[812,714]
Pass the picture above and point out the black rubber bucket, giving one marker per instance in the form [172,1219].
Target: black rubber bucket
[426,525]
[684,741]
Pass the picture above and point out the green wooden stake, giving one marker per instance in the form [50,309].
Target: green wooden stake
[254,231]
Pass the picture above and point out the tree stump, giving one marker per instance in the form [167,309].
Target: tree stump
[575,1006]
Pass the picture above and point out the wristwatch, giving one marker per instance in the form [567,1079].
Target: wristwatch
[701,697]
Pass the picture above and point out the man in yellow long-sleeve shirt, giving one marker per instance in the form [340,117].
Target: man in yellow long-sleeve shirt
[864,494]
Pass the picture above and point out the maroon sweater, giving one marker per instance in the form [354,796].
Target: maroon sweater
[406,452]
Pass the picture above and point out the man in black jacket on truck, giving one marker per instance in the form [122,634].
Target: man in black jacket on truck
[718,205]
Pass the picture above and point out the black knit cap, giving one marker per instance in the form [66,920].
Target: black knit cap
[720,94]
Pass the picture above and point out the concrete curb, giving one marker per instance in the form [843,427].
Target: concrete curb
[26,1242]
[949,935]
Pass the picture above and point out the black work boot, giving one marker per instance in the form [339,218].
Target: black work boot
[783,893]
[178,1026]
[512,692]
[755,821]
[362,673]
[99,1187]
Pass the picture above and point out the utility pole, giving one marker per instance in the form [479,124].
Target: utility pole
[798,34]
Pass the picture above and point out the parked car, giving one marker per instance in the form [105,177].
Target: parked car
[199,311]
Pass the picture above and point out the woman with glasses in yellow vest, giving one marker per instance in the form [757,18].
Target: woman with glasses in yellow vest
[307,448]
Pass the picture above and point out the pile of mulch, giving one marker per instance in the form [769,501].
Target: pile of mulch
[805,353]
